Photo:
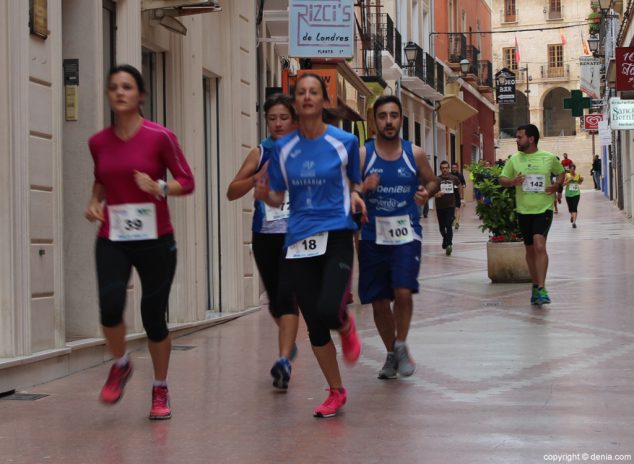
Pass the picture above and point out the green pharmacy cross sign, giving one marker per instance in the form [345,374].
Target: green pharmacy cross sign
[577,102]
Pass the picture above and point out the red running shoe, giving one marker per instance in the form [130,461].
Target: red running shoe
[351,343]
[160,404]
[112,390]
[336,399]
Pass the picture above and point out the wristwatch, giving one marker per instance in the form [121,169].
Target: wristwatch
[164,187]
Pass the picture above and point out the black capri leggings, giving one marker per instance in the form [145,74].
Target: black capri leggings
[573,203]
[321,285]
[155,261]
[269,252]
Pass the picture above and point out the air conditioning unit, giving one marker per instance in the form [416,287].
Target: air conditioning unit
[165,12]
[182,7]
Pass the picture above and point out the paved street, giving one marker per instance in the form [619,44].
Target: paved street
[498,381]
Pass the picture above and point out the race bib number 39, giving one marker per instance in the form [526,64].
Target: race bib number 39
[393,230]
[282,212]
[315,245]
[132,221]
[534,183]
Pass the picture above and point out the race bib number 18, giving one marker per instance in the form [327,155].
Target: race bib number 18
[534,183]
[132,221]
[315,245]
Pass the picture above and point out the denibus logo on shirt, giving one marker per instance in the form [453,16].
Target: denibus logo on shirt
[394,189]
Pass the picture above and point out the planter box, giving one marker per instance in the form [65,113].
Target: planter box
[506,262]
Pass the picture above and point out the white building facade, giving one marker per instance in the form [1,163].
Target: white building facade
[202,85]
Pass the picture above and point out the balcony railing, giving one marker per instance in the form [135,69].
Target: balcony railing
[485,73]
[554,13]
[457,47]
[555,72]
[371,62]
[509,15]
[382,27]
[473,55]
[430,70]
[440,78]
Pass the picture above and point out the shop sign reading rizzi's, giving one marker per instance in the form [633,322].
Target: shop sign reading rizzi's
[321,28]
[621,114]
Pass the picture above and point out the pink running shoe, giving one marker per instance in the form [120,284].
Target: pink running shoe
[336,399]
[160,404]
[351,343]
[112,390]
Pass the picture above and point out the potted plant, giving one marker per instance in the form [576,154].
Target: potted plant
[506,255]
[594,20]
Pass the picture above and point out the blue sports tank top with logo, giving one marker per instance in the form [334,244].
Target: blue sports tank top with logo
[394,195]
[260,224]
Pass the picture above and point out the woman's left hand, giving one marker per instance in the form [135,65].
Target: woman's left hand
[145,183]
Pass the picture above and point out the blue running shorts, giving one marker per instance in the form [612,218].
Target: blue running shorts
[382,268]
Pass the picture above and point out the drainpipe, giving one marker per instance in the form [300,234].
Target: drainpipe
[434,117]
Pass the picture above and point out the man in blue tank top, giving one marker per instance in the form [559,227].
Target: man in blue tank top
[390,247]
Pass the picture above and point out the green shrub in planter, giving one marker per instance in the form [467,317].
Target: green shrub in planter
[496,204]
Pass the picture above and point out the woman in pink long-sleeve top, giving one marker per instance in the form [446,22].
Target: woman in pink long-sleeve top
[129,198]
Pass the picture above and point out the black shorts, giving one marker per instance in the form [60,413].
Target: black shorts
[573,203]
[534,224]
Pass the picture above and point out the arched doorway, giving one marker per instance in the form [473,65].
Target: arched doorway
[557,120]
[513,115]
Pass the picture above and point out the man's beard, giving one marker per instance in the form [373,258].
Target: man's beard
[389,137]
[522,147]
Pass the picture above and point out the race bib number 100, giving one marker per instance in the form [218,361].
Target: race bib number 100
[315,245]
[132,221]
[393,230]
[534,183]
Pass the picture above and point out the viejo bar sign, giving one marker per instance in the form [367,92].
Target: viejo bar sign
[321,28]
[625,68]
[621,114]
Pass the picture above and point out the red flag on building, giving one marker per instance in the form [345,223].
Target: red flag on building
[563,37]
[517,51]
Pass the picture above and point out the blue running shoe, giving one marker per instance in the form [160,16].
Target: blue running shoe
[543,296]
[534,296]
[281,373]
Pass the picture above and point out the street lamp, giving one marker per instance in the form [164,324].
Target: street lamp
[465,65]
[411,53]
[604,5]
[593,43]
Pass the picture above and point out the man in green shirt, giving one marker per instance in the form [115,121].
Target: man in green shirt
[530,171]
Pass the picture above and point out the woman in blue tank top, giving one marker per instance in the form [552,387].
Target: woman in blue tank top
[269,230]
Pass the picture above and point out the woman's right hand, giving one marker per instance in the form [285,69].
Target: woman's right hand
[94,212]
[261,188]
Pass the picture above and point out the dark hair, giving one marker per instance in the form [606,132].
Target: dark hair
[324,89]
[131,70]
[530,130]
[280,99]
[573,166]
[384,100]
[444,162]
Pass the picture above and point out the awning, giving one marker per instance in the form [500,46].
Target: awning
[453,111]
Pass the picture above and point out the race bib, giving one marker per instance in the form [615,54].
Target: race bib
[534,183]
[393,230]
[573,187]
[132,221]
[281,212]
[315,245]
[446,187]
